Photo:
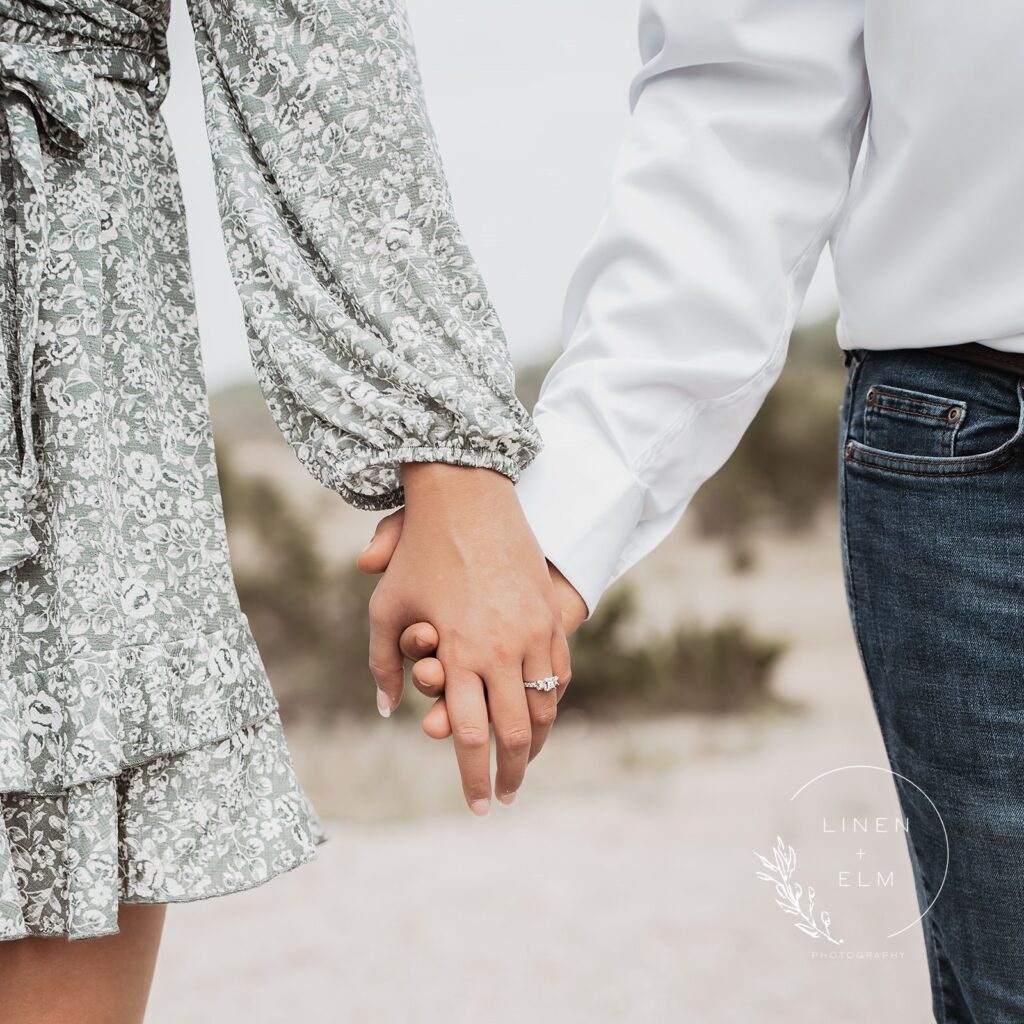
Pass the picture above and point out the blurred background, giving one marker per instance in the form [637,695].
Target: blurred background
[711,684]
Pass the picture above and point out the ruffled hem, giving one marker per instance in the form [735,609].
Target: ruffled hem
[218,819]
[100,713]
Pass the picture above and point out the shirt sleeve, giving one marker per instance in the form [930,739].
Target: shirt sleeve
[747,118]
[371,332]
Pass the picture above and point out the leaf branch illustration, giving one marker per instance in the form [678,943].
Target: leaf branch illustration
[789,894]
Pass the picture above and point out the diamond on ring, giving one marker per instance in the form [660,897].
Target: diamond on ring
[546,685]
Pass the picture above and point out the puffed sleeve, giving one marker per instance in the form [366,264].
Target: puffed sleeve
[370,329]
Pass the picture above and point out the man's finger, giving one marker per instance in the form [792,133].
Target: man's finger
[418,641]
[374,558]
[428,677]
[435,721]
[561,662]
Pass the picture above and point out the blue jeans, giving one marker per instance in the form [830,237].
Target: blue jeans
[932,510]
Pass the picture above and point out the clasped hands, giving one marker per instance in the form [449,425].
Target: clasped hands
[467,595]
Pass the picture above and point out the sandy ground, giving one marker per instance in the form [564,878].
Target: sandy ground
[621,886]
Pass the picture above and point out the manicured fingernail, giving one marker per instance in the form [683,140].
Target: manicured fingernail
[507,798]
[480,807]
[383,704]
[422,641]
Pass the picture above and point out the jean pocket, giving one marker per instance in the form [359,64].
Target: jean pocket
[913,433]
[911,422]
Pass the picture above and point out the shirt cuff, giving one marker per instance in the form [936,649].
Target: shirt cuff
[582,503]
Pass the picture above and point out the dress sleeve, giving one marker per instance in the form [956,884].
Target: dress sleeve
[371,332]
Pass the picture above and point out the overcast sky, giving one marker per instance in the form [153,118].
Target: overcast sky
[529,101]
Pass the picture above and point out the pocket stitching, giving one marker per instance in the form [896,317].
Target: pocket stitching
[905,395]
[911,412]
[855,452]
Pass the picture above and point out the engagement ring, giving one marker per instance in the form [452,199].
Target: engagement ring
[546,684]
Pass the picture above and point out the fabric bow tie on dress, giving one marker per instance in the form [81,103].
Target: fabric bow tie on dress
[46,106]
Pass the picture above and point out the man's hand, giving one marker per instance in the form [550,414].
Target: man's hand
[419,641]
[465,560]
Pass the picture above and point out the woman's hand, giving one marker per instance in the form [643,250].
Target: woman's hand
[467,562]
[419,641]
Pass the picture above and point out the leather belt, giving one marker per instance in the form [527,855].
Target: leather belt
[981,355]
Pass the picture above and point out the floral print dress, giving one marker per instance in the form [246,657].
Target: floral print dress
[141,753]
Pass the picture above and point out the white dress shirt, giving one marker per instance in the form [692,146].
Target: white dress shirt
[741,163]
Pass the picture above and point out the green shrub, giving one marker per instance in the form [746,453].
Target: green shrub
[784,469]
[718,669]
[309,618]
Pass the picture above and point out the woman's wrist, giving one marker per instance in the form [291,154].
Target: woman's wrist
[439,482]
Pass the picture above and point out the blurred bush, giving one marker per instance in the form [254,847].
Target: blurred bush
[308,614]
[716,669]
[784,469]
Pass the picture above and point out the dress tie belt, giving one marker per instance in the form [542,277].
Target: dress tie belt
[45,97]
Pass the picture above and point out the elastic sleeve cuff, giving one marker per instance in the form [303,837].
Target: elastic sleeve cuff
[582,502]
[452,455]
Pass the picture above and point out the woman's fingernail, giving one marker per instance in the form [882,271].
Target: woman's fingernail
[422,641]
[383,704]
[507,798]
[480,807]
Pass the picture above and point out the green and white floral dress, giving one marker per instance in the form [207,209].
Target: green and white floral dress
[141,755]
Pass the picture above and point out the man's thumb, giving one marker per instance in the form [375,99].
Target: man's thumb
[375,557]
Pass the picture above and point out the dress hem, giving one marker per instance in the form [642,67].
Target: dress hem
[318,841]
[198,689]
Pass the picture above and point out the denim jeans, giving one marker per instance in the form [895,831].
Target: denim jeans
[932,510]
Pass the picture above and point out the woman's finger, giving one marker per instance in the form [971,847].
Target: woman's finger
[418,641]
[428,677]
[386,664]
[510,713]
[542,705]
[467,710]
